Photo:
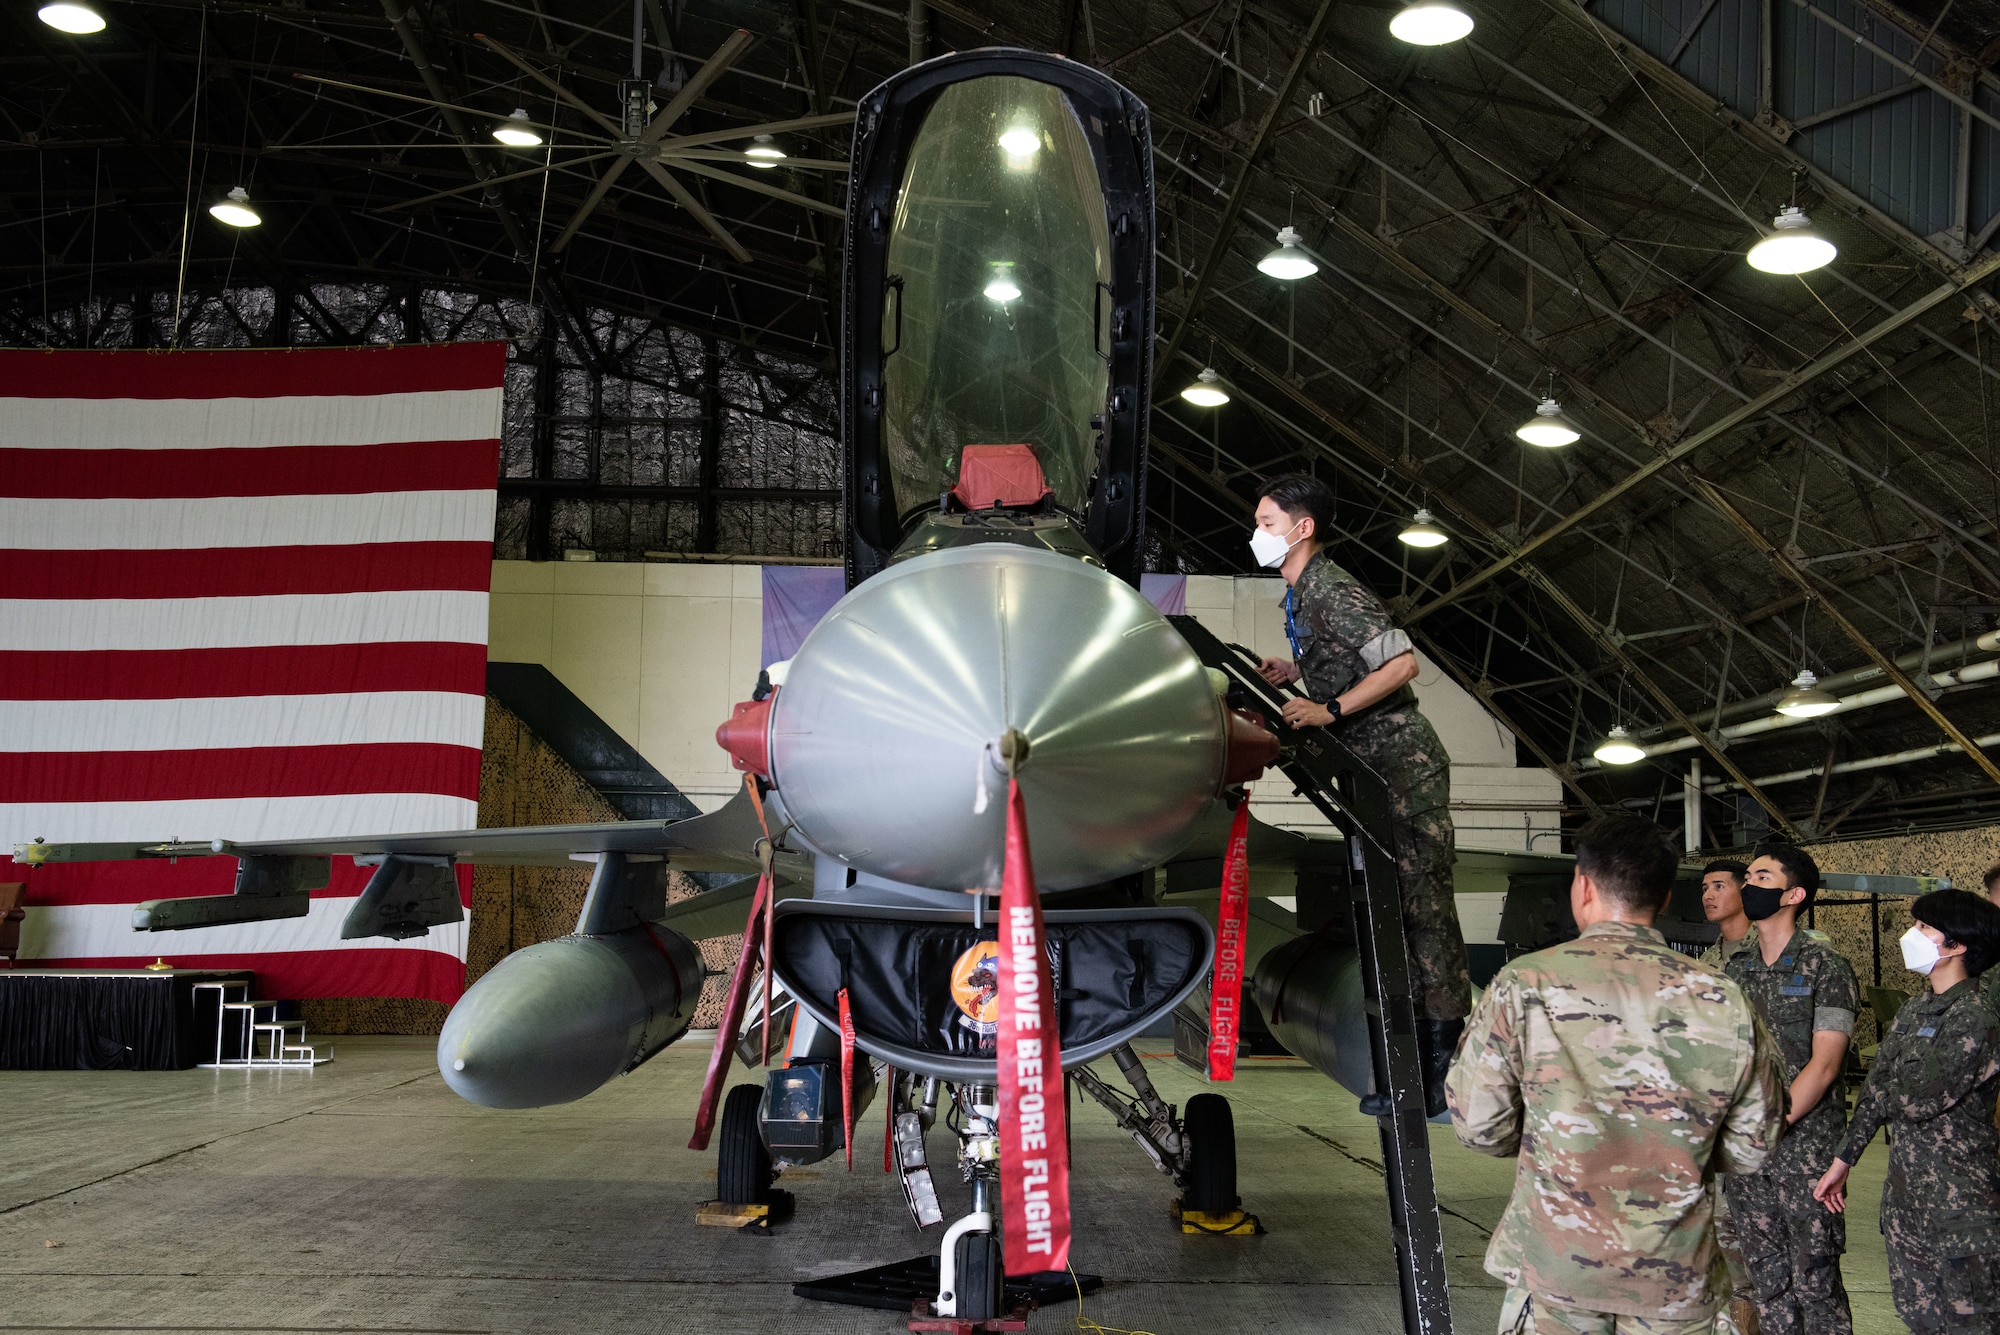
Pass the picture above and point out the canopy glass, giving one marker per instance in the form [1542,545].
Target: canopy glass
[993,320]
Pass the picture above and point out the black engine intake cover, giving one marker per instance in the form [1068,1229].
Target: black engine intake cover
[921,990]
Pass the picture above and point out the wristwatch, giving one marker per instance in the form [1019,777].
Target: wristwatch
[1333,708]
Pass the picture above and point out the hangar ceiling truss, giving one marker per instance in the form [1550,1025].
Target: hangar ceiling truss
[1775,473]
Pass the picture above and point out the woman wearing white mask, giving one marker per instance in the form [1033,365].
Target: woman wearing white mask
[1356,667]
[1934,1083]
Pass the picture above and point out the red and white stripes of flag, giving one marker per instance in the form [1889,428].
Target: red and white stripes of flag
[1225,984]
[1034,1134]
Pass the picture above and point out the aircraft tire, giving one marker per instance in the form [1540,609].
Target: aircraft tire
[1210,1130]
[982,1276]
[742,1164]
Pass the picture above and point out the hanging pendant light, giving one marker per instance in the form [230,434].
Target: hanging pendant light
[1430,23]
[1806,699]
[70,17]
[1618,748]
[1001,286]
[1289,261]
[235,209]
[1207,390]
[1020,143]
[1795,247]
[1548,428]
[516,132]
[1424,532]
[764,152]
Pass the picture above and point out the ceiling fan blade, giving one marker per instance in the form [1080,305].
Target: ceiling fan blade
[591,201]
[405,97]
[685,198]
[752,131]
[745,160]
[611,127]
[712,69]
[481,185]
[775,192]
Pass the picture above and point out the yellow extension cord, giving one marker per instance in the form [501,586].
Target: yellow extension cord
[1085,1324]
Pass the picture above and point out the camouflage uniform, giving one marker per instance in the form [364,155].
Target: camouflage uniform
[1624,1076]
[1742,1290]
[1791,1242]
[1934,1079]
[1718,955]
[1342,633]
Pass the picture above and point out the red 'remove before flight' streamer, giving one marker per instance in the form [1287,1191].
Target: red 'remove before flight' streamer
[1225,984]
[1034,1133]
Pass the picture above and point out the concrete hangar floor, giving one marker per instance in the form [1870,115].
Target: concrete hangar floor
[365,1197]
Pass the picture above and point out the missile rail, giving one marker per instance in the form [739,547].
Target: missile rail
[1356,802]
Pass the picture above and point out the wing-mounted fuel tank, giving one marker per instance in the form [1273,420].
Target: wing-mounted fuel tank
[999,297]
[553,1021]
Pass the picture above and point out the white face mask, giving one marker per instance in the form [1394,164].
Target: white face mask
[1270,549]
[1920,953]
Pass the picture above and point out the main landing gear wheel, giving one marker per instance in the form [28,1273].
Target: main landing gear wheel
[982,1276]
[1210,1182]
[742,1165]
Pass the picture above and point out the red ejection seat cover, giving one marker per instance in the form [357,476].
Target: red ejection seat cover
[1006,474]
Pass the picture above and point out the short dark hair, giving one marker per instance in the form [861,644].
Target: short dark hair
[1992,875]
[1630,859]
[1966,920]
[1740,870]
[1303,495]
[1800,869]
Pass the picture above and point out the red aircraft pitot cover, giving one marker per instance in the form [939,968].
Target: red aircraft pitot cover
[1034,1135]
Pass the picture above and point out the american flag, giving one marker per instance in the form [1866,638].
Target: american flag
[242,596]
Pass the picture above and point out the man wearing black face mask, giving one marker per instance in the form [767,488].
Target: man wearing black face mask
[1807,994]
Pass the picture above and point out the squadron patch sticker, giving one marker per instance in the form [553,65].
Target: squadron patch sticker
[975,987]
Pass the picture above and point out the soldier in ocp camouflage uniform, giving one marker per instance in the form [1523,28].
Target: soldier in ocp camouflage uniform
[1356,666]
[1624,1075]
[1934,1081]
[1806,993]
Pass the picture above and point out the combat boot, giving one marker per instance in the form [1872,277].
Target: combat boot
[1437,1043]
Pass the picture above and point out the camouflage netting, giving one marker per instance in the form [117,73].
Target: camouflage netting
[1960,854]
[521,782]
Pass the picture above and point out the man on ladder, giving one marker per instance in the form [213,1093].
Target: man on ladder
[1357,668]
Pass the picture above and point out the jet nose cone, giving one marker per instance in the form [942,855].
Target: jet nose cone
[895,709]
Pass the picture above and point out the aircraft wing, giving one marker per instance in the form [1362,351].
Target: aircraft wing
[412,888]
[723,840]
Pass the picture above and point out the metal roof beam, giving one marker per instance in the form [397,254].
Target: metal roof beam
[1225,227]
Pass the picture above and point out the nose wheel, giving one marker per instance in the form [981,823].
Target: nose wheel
[1208,1132]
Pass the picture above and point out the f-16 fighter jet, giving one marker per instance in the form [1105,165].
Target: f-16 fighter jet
[962,790]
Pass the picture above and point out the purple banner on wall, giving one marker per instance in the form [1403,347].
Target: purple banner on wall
[795,598]
[1166,592]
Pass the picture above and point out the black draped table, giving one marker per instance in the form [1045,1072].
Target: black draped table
[111,1019]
